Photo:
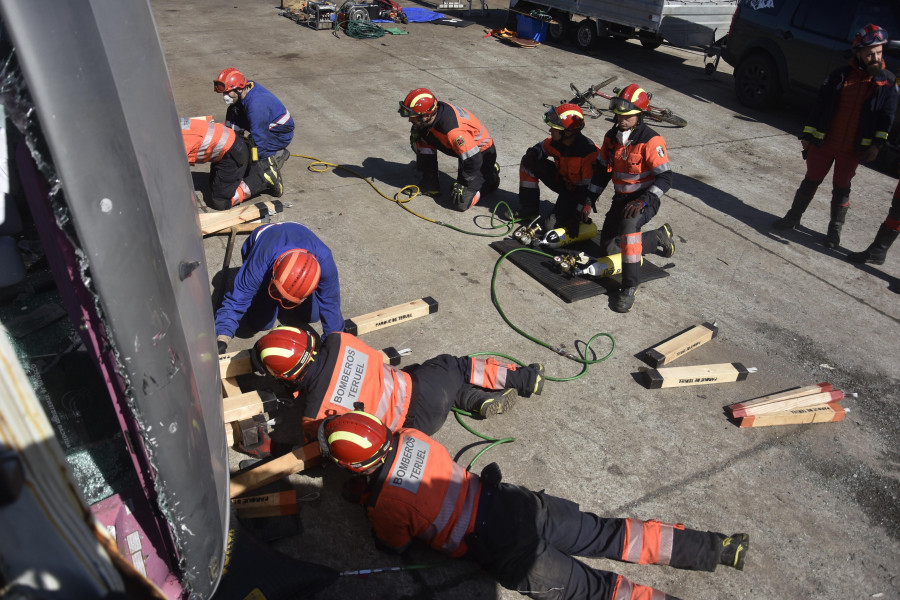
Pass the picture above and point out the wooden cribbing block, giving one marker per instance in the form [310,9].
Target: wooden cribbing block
[212,222]
[680,344]
[230,387]
[798,402]
[391,316]
[781,396]
[246,405]
[233,364]
[273,470]
[229,434]
[700,375]
[266,505]
[820,413]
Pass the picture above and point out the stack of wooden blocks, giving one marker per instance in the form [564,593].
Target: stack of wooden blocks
[818,403]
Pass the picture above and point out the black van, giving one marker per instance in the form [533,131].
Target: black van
[778,46]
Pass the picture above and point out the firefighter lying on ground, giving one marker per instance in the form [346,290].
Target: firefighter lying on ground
[284,266]
[343,373]
[254,110]
[456,132]
[411,488]
[635,159]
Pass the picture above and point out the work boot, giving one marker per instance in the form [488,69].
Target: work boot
[492,182]
[877,250]
[802,198]
[665,241]
[497,402]
[429,185]
[840,204]
[272,175]
[538,368]
[734,550]
[625,300]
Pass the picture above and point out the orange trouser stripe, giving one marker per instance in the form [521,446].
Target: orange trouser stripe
[648,542]
[628,590]
[631,247]
[489,373]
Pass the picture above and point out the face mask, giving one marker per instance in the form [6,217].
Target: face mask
[623,136]
[228,99]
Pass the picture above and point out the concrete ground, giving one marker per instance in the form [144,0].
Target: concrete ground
[820,502]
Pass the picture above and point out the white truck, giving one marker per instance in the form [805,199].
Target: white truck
[684,23]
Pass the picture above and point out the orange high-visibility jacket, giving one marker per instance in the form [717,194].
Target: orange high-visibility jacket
[421,492]
[351,372]
[574,163]
[205,141]
[641,164]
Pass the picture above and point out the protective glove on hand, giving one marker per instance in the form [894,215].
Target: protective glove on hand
[222,343]
[457,193]
[585,210]
[634,208]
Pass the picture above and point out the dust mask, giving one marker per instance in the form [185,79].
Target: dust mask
[228,99]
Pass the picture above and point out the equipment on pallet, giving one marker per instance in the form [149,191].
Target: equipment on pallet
[320,15]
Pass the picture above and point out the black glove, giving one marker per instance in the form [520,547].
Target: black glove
[223,346]
[634,208]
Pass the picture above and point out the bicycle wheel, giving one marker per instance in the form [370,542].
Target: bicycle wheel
[666,116]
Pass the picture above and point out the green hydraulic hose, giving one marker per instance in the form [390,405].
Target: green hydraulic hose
[411,191]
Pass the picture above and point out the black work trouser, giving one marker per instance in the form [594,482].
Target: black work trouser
[527,540]
[615,224]
[255,178]
[227,174]
[441,383]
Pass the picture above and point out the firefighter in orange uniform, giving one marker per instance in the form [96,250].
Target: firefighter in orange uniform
[564,162]
[343,373]
[635,159]
[441,126]
[411,488]
[205,141]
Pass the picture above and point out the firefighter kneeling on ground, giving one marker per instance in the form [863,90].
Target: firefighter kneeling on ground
[228,155]
[255,112]
[634,157]
[411,488]
[456,132]
[343,373]
[564,162]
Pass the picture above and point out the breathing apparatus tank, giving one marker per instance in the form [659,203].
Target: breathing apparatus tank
[606,266]
[557,238]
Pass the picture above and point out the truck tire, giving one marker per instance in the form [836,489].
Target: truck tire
[756,81]
[651,42]
[560,32]
[586,35]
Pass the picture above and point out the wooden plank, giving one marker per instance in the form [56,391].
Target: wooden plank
[245,406]
[666,377]
[680,344]
[798,402]
[266,505]
[391,316]
[273,470]
[229,434]
[233,364]
[783,395]
[820,413]
[230,388]
[216,221]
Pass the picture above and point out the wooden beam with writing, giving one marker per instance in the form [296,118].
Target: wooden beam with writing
[391,316]
[666,377]
[292,462]
[680,344]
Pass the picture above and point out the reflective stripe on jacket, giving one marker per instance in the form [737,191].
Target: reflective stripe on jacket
[350,371]
[205,141]
[422,493]
[574,163]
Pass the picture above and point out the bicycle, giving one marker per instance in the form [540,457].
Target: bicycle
[582,99]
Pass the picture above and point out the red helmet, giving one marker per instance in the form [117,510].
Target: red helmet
[295,276]
[630,100]
[870,35]
[285,352]
[565,117]
[228,80]
[355,440]
[418,103]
